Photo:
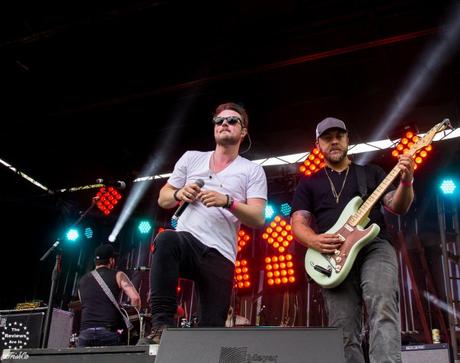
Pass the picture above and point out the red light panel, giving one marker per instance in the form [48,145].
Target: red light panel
[107,198]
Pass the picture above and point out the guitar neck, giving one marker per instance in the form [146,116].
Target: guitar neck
[366,207]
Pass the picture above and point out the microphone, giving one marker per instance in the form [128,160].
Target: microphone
[184,205]
[119,184]
[141,268]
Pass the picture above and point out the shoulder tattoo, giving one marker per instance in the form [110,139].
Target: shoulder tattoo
[125,281]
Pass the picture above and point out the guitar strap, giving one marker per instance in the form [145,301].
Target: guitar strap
[362,180]
[109,294]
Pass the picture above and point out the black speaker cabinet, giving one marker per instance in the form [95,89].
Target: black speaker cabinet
[251,345]
[425,353]
[21,329]
[119,354]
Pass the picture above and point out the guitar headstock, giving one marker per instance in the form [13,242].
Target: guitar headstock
[428,138]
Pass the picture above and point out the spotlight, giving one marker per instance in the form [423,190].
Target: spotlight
[88,232]
[286,209]
[144,227]
[269,211]
[72,234]
[448,186]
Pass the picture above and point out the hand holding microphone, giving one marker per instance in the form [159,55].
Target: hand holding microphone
[187,194]
[190,192]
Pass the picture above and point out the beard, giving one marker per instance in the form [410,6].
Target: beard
[227,139]
[336,157]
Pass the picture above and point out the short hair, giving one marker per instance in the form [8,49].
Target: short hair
[102,262]
[234,107]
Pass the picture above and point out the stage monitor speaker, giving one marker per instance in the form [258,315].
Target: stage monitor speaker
[118,354]
[425,353]
[248,345]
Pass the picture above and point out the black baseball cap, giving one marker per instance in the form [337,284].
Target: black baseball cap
[104,252]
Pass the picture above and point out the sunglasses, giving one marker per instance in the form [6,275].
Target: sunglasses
[231,120]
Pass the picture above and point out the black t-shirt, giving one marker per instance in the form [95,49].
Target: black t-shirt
[314,194]
[97,309]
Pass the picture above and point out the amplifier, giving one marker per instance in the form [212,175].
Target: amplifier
[425,353]
[21,329]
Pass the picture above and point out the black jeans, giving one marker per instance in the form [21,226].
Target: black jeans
[96,337]
[180,254]
[373,280]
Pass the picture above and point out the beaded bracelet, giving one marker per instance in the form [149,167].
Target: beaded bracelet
[229,202]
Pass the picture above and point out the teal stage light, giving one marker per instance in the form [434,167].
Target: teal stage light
[72,234]
[286,209]
[269,211]
[89,232]
[448,186]
[144,227]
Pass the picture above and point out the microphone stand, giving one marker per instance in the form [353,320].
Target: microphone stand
[55,276]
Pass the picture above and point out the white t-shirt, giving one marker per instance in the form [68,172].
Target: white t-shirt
[217,227]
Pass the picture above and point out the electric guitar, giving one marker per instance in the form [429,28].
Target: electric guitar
[329,270]
[128,335]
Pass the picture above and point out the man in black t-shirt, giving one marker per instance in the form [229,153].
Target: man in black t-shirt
[373,280]
[100,319]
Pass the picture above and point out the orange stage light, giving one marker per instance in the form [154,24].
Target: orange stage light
[242,271]
[313,163]
[407,141]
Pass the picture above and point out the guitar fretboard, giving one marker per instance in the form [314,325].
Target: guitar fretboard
[365,208]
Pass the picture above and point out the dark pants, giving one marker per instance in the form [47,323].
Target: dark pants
[374,281]
[96,337]
[180,254]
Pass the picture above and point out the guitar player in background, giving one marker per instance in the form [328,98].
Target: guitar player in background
[373,279]
[101,320]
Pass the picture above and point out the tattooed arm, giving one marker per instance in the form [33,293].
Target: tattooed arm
[324,242]
[128,288]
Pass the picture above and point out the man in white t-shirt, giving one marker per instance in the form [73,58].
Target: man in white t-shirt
[203,247]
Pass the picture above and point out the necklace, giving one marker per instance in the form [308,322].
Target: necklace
[213,171]
[334,192]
